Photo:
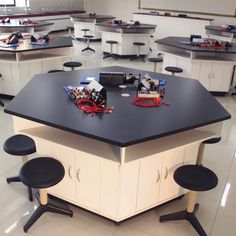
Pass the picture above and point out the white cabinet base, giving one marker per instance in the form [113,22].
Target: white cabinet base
[115,182]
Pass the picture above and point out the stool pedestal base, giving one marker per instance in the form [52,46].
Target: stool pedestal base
[49,207]
[88,48]
[185,215]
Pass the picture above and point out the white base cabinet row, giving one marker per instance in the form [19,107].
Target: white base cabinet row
[115,190]
[15,75]
[214,75]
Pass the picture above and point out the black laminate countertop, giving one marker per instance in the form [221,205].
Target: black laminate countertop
[25,46]
[175,42]
[17,25]
[141,26]
[220,29]
[173,16]
[191,106]
[98,17]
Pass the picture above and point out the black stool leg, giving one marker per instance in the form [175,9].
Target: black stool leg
[180,215]
[196,225]
[30,194]
[58,210]
[39,211]
[13,179]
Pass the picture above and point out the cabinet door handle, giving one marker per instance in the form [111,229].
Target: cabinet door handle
[158,176]
[166,174]
[69,172]
[209,75]
[213,75]
[77,175]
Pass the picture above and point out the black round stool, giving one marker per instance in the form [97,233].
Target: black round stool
[173,69]
[87,39]
[194,178]
[20,145]
[42,173]
[72,64]
[55,71]
[155,60]
[138,57]
[111,42]
[202,148]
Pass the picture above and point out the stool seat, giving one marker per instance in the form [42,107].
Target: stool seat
[138,44]
[55,71]
[195,178]
[42,172]
[19,145]
[88,36]
[111,42]
[173,69]
[85,30]
[72,64]
[212,140]
[155,59]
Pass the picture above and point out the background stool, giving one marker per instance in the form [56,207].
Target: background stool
[87,38]
[20,145]
[138,57]
[42,173]
[202,148]
[111,42]
[173,69]
[195,178]
[85,31]
[55,71]
[72,64]
[1,103]
[155,60]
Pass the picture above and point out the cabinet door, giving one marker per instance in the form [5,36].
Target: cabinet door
[128,187]
[109,188]
[221,76]
[205,74]
[171,161]
[66,188]
[149,181]
[87,180]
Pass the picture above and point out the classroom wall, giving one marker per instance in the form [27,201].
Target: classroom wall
[123,9]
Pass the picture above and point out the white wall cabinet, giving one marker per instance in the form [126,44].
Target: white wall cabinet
[214,75]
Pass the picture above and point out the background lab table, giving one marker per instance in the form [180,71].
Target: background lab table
[117,165]
[125,35]
[212,67]
[18,65]
[28,28]
[84,21]
[218,32]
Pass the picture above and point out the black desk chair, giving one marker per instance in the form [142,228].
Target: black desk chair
[87,39]
[72,64]
[55,71]
[173,69]
[20,145]
[42,173]
[138,57]
[155,60]
[111,42]
[194,178]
